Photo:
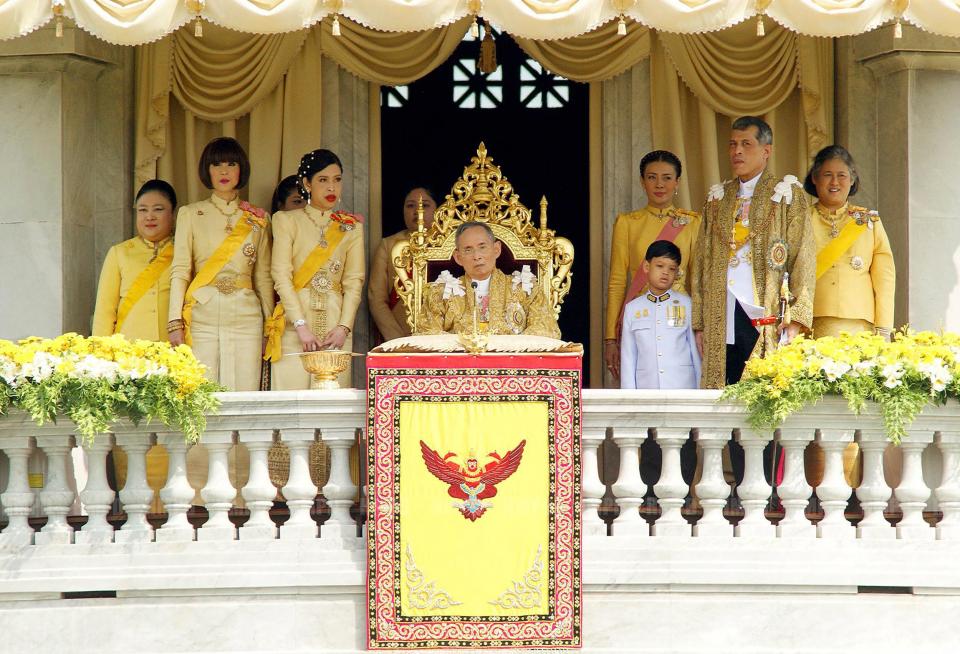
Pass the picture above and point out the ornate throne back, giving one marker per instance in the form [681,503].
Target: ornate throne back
[482,194]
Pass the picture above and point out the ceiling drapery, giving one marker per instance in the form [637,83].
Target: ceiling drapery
[135,22]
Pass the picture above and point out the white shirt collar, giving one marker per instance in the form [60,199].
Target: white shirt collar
[747,187]
[483,286]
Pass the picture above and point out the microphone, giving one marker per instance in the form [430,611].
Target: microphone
[473,285]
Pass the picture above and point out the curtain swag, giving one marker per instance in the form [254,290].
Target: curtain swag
[136,22]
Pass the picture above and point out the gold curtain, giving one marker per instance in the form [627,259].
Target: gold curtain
[594,56]
[264,90]
[700,84]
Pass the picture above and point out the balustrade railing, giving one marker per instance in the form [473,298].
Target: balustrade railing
[712,506]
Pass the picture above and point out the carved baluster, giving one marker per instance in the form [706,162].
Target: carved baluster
[259,492]
[97,496]
[340,530]
[713,489]
[754,491]
[794,490]
[300,490]
[629,488]
[873,492]
[136,495]
[948,493]
[833,491]
[18,498]
[671,490]
[592,487]
[177,494]
[218,493]
[56,496]
[912,493]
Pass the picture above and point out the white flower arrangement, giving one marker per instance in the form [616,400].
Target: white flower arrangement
[783,191]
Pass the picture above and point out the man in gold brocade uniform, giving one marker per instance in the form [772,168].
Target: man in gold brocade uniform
[505,305]
[755,229]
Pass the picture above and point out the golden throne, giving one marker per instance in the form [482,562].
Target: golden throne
[482,194]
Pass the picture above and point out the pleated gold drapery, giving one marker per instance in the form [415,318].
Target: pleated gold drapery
[266,90]
[700,84]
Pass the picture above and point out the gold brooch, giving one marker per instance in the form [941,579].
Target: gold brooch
[249,250]
[320,283]
[777,258]
[335,266]
[856,263]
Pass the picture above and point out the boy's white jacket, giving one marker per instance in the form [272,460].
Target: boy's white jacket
[657,346]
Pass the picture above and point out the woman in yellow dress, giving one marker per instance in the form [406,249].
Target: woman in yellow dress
[318,270]
[856,276]
[220,286]
[634,232]
[133,296]
[388,311]
[133,299]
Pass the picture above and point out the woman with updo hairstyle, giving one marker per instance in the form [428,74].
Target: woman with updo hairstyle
[388,311]
[633,233]
[220,286]
[133,297]
[286,197]
[318,271]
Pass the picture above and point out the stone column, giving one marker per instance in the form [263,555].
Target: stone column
[67,107]
[896,101]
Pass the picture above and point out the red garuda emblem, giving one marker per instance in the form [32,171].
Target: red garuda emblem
[470,482]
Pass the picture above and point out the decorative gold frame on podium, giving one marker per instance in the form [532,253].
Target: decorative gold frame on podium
[482,194]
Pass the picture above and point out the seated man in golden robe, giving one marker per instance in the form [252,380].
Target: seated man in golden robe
[504,305]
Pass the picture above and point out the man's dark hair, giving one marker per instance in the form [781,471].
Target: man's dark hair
[764,133]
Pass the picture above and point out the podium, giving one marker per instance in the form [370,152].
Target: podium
[473,518]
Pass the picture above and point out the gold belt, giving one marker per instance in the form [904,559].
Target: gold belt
[228,284]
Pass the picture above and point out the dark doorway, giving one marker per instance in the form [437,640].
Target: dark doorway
[535,126]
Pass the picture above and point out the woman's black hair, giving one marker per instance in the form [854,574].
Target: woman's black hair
[224,150]
[830,153]
[661,155]
[424,187]
[287,187]
[313,162]
[161,187]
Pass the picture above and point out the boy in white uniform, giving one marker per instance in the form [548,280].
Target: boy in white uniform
[658,349]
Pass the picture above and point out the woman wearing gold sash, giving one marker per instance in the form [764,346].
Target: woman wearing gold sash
[220,286]
[134,292]
[388,311]
[856,276]
[134,296]
[634,232]
[318,270]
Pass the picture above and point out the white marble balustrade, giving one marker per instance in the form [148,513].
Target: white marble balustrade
[686,553]
[254,420]
[257,420]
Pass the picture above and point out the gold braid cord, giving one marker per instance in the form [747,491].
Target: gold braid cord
[483,194]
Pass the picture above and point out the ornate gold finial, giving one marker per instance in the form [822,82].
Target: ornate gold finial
[195,7]
[543,216]
[57,9]
[420,213]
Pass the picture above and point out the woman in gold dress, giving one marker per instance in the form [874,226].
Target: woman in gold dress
[133,299]
[633,233]
[318,270]
[388,311]
[856,276]
[220,286]
[134,292]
